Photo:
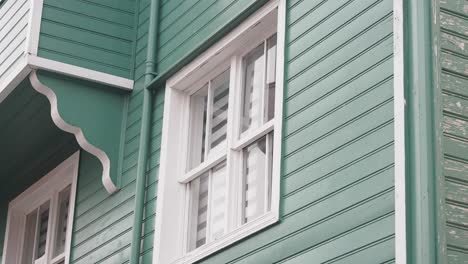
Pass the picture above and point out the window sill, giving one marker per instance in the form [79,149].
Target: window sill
[242,232]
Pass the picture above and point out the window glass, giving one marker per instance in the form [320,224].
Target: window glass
[206,134]
[254,70]
[62,220]
[199,209]
[41,233]
[270,78]
[198,108]
[217,201]
[218,122]
[250,163]
[208,195]
[256,178]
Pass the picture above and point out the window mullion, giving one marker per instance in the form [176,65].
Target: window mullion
[268,146]
[230,212]
[209,206]
[209,114]
[264,87]
[202,168]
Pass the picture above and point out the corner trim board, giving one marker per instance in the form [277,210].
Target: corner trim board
[34,27]
[399,132]
[82,141]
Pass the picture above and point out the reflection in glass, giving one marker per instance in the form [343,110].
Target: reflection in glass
[220,87]
[254,70]
[198,108]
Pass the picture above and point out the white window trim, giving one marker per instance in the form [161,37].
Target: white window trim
[170,231]
[59,178]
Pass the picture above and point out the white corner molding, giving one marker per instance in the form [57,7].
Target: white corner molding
[399,132]
[63,125]
[36,62]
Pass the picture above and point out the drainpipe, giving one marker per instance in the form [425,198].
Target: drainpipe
[423,135]
[150,74]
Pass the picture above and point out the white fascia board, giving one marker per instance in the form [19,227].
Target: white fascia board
[36,62]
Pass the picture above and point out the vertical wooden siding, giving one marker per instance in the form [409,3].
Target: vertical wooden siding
[454,85]
[14,18]
[93,34]
[337,182]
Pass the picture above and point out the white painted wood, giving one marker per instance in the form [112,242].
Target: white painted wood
[13,40]
[399,132]
[200,169]
[171,227]
[80,72]
[254,135]
[14,17]
[45,189]
[34,28]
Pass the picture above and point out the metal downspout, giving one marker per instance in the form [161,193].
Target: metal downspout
[423,136]
[150,74]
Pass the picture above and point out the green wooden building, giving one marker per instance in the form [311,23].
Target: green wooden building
[233,131]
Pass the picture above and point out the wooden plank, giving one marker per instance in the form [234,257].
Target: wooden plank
[457,214]
[454,83]
[456,169]
[454,23]
[456,148]
[457,236]
[455,126]
[457,191]
[458,6]
[457,256]
[454,104]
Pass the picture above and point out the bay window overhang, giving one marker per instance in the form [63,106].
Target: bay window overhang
[86,103]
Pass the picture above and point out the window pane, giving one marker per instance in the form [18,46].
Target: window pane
[254,68]
[41,234]
[199,198]
[218,201]
[62,221]
[29,235]
[256,178]
[220,86]
[270,78]
[198,108]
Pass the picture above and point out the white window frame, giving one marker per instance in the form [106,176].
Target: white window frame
[47,188]
[172,216]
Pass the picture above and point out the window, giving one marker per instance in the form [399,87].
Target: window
[219,176]
[40,219]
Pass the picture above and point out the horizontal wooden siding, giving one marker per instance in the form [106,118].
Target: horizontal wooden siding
[454,85]
[14,19]
[97,35]
[337,184]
